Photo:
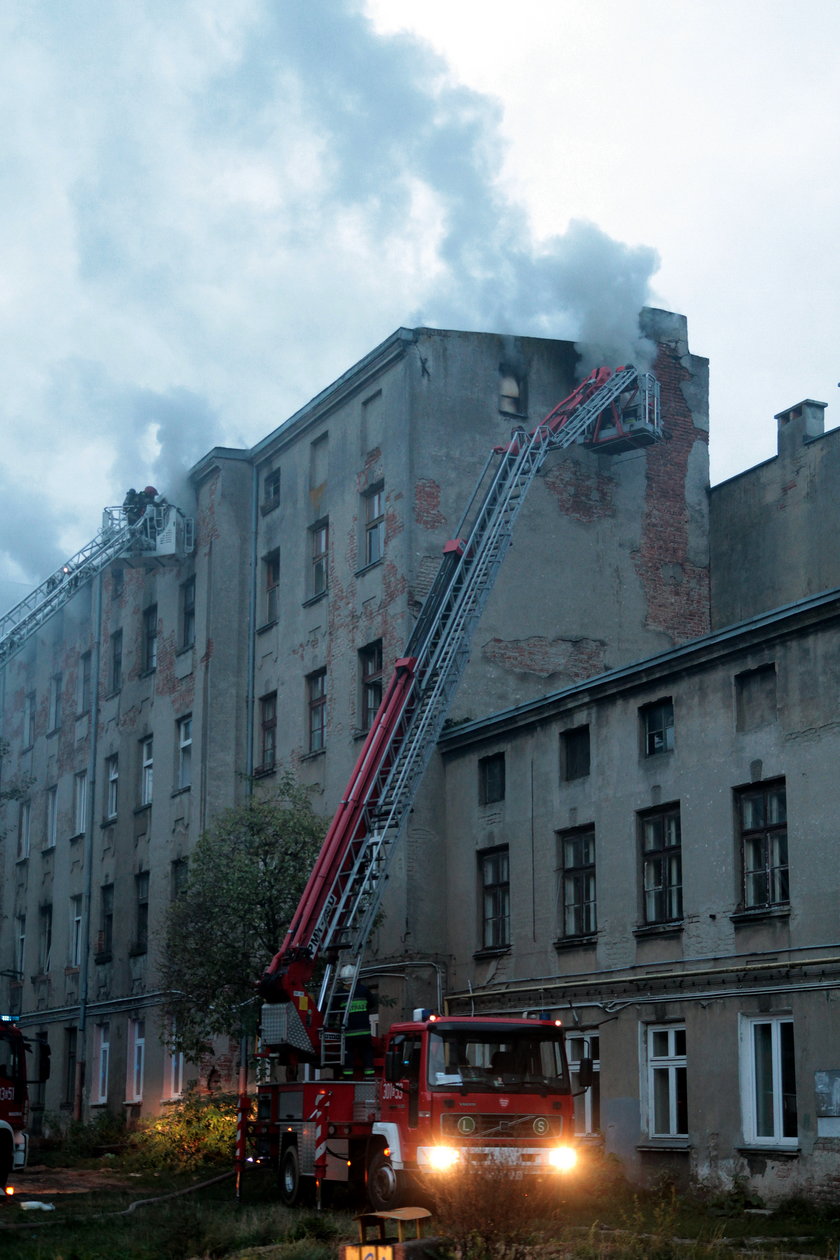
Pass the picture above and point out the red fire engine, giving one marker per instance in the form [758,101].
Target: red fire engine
[14,1098]
[438,1090]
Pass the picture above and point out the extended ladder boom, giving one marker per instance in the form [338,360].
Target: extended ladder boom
[341,899]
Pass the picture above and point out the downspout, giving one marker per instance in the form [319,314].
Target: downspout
[84,962]
[252,629]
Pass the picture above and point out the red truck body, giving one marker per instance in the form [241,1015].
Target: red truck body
[14,1097]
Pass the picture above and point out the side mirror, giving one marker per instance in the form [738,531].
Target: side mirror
[393,1067]
[585,1074]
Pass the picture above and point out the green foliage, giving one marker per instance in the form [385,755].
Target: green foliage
[246,875]
[198,1130]
[80,1140]
[13,789]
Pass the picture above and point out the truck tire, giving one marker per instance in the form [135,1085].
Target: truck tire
[290,1178]
[385,1186]
[7,1159]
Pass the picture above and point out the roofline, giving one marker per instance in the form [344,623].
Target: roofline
[690,655]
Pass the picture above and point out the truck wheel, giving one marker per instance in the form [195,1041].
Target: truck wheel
[7,1159]
[290,1181]
[384,1184]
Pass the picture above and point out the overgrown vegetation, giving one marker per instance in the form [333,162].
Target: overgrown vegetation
[246,876]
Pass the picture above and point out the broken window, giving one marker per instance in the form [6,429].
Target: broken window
[657,727]
[574,753]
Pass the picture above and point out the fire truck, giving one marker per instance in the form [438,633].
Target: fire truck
[14,1097]
[438,1091]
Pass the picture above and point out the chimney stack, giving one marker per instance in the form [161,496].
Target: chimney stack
[800,424]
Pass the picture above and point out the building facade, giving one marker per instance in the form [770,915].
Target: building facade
[557,856]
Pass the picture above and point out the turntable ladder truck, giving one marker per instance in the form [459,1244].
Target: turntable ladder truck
[444,1089]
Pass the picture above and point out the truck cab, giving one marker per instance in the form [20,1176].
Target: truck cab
[14,1098]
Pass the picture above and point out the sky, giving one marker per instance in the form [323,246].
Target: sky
[211,209]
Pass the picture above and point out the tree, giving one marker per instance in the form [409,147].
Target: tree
[15,789]
[246,875]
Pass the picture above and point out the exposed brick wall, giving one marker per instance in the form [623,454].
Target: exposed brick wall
[427,511]
[576,658]
[676,588]
[580,494]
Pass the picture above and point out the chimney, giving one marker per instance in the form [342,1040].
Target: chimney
[800,424]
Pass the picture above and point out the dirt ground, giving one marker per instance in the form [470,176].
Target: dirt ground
[37,1181]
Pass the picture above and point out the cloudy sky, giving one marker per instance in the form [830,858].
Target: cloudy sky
[211,208]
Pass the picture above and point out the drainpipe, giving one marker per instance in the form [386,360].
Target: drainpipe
[93,743]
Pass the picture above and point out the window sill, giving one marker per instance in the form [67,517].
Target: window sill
[48,850]
[78,835]
[182,651]
[757,914]
[310,756]
[682,1145]
[260,772]
[72,970]
[265,508]
[137,950]
[180,791]
[147,673]
[314,599]
[108,822]
[105,956]
[110,696]
[267,625]
[499,952]
[771,1152]
[367,567]
[576,942]
[19,861]
[141,809]
[659,929]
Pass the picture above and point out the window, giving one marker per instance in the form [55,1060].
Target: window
[54,717]
[658,727]
[755,697]
[764,849]
[74,951]
[102,1052]
[83,684]
[574,753]
[117,581]
[768,1081]
[150,630]
[80,803]
[271,577]
[370,659]
[135,1063]
[588,1103]
[316,690]
[268,731]
[141,913]
[491,779]
[23,831]
[44,939]
[319,541]
[29,719]
[187,613]
[175,1083]
[511,393]
[577,859]
[51,832]
[374,524]
[147,763]
[20,945]
[71,1037]
[271,490]
[662,865]
[105,943]
[318,462]
[112,781]
[495,898]
[116,660]
[666,1081]
[184,753]
[178,873]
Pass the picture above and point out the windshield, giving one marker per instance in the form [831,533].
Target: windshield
[9,1069]
[506,1063]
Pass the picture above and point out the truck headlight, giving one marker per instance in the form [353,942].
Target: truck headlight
[442,1158]
[563,1158]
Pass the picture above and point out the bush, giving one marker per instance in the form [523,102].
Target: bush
[492,1212]
[199,1129]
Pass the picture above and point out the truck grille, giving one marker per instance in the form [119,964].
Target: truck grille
[467,1126]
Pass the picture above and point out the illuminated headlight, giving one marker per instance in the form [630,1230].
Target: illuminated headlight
[442,1157]
[563,1158]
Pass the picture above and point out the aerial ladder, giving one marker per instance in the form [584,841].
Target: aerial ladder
[147,527]
[610,411]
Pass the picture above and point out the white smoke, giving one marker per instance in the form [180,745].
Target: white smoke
[209,211]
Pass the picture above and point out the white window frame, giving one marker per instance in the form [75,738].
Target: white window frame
[74,953]
[147,764]
[103,1060]
[135,1060]
[579,1045]
[175,1068]
[45,927]
[24,834]
[375,524]
[750,1084]
[665,1068]
[112,768]
[185,752]
[80,803]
